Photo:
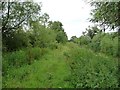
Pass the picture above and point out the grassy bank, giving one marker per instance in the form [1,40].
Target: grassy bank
[67,66]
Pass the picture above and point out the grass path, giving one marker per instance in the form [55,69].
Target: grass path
[51,71]
[66,67]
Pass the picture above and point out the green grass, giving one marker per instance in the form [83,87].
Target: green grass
[91,69]
[69,66]
[50,71]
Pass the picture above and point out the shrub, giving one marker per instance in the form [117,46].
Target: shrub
[61,37]
[33,54]
[85,40]
[16,58]
[90,70]
[53,45]
[115,47]
[95,44]
[106,44]
[75,39]
[109,45]
[17,40]
[22,57]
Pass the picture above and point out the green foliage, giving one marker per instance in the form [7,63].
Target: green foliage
[92,31]
[47,37]
[22,57]
[33,54]
[95,44]
[115,46]
[44,19]
[18,13]
[105,43]
[109,45]
[18,40]
[104,11]
[53,45]
[50,71]
[14,59]
[74,39]
[41,56]
[90,70]
[84,40]
[15,16]
[56,25]
[67,66]
[61,37]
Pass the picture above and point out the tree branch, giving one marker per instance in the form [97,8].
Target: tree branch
[17,25]
[6,21]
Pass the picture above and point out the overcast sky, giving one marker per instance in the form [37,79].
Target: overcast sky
[73,14]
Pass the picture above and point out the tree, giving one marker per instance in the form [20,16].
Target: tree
[40,36]
[84,33]
[44,19]
[17,15]
[18,40]
[106,14]
[92,31]
[57,27]
[61,37]
[74,39]
[84,40]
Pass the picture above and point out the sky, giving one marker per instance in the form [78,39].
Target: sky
[73,14]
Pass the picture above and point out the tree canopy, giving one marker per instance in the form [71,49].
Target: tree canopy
[106,14]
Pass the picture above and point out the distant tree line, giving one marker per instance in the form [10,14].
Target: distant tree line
[24,25]
[106,17]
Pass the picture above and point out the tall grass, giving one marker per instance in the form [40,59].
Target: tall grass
[91,70]
[68,65]
[22,57]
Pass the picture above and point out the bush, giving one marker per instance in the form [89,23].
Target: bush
[16,58]
[95,44]
[75,39]
[53,45]
[85,40]
[33,54]
[109,45]
[115,47]
[13,59]
[61,37]
[17,40]
[106,45]
[22,57]
[91,70]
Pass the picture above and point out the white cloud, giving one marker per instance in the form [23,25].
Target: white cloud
[72,13]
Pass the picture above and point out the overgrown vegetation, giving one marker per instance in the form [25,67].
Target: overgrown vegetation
[91,69]
[38,54]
